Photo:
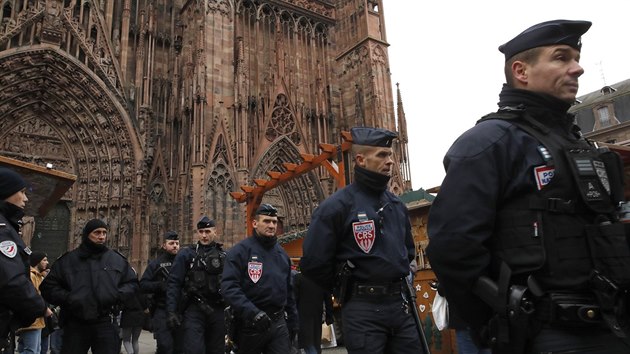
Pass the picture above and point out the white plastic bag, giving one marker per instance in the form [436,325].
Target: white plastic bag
[440,311]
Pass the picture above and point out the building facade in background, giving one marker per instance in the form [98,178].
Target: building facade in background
[161,107]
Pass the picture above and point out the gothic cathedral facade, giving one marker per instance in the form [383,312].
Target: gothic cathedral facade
[161,108]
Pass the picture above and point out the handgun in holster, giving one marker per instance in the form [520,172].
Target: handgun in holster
[230,329]
[342,283]
[5,328]
[509,328]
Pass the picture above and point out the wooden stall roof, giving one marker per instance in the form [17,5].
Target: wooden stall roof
[45,185]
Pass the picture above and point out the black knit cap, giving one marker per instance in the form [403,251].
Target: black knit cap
[372,136]
[36,257]
[10,183]
[171,235]
[267,209]
[93,225]
[205,222]
[547,33]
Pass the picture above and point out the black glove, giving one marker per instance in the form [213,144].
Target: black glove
[262,322]
[173,320]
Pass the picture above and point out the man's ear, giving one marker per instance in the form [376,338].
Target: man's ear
[359,159]
[520,72]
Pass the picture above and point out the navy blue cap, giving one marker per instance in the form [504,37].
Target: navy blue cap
[205,223]
[267,209]
[372,136]
[547,33]
[10,183]
[171,235]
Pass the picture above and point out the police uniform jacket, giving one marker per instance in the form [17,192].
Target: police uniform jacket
[181,266]
[488,168]
[256,278]
[363,223]
[17,292]
[154,279]
[88,284]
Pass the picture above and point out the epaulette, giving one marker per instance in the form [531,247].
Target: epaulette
[122,255]
[517,116]
[65,253]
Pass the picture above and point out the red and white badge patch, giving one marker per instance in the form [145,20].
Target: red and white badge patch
[8,248]
[543,175]
[364,234]
[254,269]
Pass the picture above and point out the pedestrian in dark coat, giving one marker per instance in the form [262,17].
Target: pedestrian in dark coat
[17,292]
[91,284]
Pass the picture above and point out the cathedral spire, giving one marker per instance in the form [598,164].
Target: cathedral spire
[403,153]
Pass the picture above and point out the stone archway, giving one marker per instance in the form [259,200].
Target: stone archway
[54,109]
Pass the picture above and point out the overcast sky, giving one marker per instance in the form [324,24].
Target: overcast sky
[444,56]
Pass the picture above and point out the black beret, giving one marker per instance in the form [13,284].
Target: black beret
[10,183]
[547,33]
[267,209]
[36,257]
[372,136]
[171,235]
[205,223]
[93,225]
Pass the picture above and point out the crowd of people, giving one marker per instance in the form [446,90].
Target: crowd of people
[525,241]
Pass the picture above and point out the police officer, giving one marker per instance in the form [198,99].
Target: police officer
[153,283]
[20,304]
[194,288]
[257,286]
[365,230]
[91,284]
[523,233]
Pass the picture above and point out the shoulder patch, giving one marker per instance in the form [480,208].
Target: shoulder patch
[8,248]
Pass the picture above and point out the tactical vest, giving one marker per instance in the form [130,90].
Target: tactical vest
[204,276]
[568,228]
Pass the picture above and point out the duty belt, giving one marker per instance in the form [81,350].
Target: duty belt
[569,310]
[275,316]
[368,290]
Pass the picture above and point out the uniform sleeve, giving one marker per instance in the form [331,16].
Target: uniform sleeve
[291,308]
[409,242]
[231,284]
[128,285]
[54,287]
[176,278]
[18,293]
[461,219]
[320,246]
[149,283]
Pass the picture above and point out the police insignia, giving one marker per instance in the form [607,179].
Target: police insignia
[364,234]
[8,248]
[600,168]
[216,263]
[543,175]
[254,269]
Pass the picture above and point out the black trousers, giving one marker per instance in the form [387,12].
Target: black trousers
[275,341]
[379,326]
[203,333]
[101,336]
[587,340]
[168,341]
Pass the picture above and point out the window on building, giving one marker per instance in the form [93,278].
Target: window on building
[604,116]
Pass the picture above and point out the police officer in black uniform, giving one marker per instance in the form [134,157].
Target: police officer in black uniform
[91,284]
[153,283]
[194,288]
[365,230]
[524,236]
[257,286]
[20,304]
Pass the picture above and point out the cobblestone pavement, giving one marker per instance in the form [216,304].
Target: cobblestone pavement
[147,345]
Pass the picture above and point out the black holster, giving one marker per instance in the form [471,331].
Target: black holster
[5,328]
[613,302]
[342,283]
